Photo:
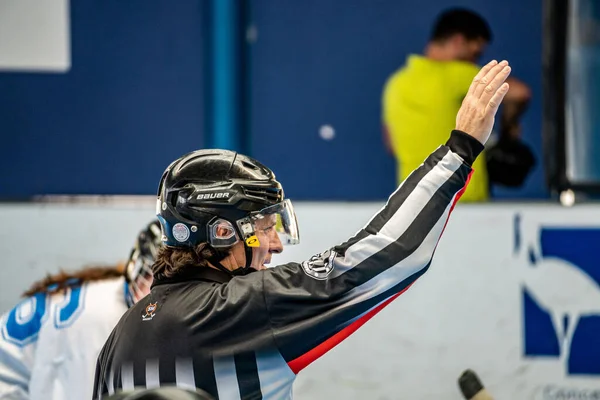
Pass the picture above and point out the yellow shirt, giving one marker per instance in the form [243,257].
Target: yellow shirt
[420,103]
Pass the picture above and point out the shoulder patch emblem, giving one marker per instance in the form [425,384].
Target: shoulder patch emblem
[150,311]
[320,265]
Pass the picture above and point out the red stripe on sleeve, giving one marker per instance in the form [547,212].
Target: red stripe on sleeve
[301,362]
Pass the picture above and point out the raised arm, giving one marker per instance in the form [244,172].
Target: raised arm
[315,304]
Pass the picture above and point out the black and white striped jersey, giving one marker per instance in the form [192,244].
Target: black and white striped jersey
[248,337]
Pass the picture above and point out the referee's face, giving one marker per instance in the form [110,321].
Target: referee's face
[269,242]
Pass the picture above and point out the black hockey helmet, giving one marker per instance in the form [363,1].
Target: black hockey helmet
[209,189]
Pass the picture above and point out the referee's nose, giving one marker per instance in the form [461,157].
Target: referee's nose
[275,246]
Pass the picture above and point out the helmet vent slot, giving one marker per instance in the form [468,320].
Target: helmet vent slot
[249,165]
[262,193]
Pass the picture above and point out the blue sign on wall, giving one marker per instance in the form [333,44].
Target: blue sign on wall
[565,325]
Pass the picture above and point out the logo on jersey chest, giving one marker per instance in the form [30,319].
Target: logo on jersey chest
[150,311]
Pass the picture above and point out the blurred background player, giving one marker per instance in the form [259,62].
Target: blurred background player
[51,340]
[421,99]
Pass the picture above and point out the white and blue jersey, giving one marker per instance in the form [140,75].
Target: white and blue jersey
[49,344]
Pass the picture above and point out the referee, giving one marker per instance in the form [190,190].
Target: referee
[217,319]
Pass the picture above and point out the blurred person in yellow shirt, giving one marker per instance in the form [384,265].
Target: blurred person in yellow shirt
[421,99]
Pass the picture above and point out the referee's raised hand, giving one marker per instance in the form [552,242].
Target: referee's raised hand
[479,107]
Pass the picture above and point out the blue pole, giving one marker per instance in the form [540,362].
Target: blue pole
[226,82]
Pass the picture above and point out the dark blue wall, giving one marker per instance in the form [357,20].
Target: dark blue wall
[131,103]
[325,62]
[135,97]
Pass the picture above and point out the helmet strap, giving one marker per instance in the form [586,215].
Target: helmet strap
[245,270]
[248,251]
[217,263]
[216,259]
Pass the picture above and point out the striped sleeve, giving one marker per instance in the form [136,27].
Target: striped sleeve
[316,304]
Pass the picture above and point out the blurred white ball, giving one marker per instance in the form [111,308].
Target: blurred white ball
[327,132]
[567,198]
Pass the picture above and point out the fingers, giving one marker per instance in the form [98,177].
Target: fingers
[485,84]
[482,73]
[496,99]
[497,82]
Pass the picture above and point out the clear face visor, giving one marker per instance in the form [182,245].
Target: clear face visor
[279,217]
